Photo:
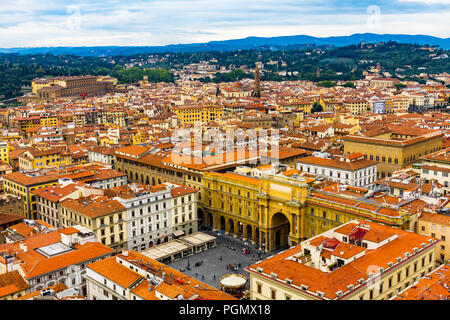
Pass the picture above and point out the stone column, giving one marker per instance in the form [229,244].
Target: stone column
[269,241]
[227,226]
[215,221]
[261,240]
[235,228]
[244,232]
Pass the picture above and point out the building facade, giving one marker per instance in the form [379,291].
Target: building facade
[359,260]
[278,211]
[394,149]
[351,170]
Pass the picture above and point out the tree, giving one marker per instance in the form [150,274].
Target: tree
[400,86]
[317,107]
[327,84]
[349,85]
[40,71]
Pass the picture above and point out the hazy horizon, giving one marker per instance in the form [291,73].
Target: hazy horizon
[187,43]
[81,23]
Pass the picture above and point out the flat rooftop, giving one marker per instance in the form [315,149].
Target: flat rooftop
[53,249]
[198,238]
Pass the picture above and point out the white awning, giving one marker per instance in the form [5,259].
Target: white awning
[178,233]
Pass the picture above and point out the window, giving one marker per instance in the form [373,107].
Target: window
[259,288]
[273,294]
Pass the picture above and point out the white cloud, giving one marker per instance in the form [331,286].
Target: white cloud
[113,22]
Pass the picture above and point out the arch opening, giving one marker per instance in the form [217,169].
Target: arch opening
[281,228]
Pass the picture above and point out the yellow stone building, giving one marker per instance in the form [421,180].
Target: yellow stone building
[114,116]
[138,138]
[356,106]
[23,124]
[298,105]
[34,158]
[198,113]
[21,184]
[51,88]
[4,151]
[437,226]
[397,104]
[104,217]
[50,121]
[394,147]
[276,210]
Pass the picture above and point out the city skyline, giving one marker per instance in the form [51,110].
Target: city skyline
[33,23]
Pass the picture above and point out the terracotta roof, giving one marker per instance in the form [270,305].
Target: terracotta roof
[28,180]
[332,163]
[331,282]
[12,282]
[8,218]
[432,287]
[93,207]
[441,219]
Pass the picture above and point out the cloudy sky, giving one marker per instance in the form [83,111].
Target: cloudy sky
[32,23]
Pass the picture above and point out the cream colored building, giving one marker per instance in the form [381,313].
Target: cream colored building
[437,226]
[359,260]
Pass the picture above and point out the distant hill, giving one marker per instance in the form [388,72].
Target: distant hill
[246,43]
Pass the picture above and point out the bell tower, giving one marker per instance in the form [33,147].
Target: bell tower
[257,90]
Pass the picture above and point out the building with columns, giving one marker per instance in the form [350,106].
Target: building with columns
[276,211]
